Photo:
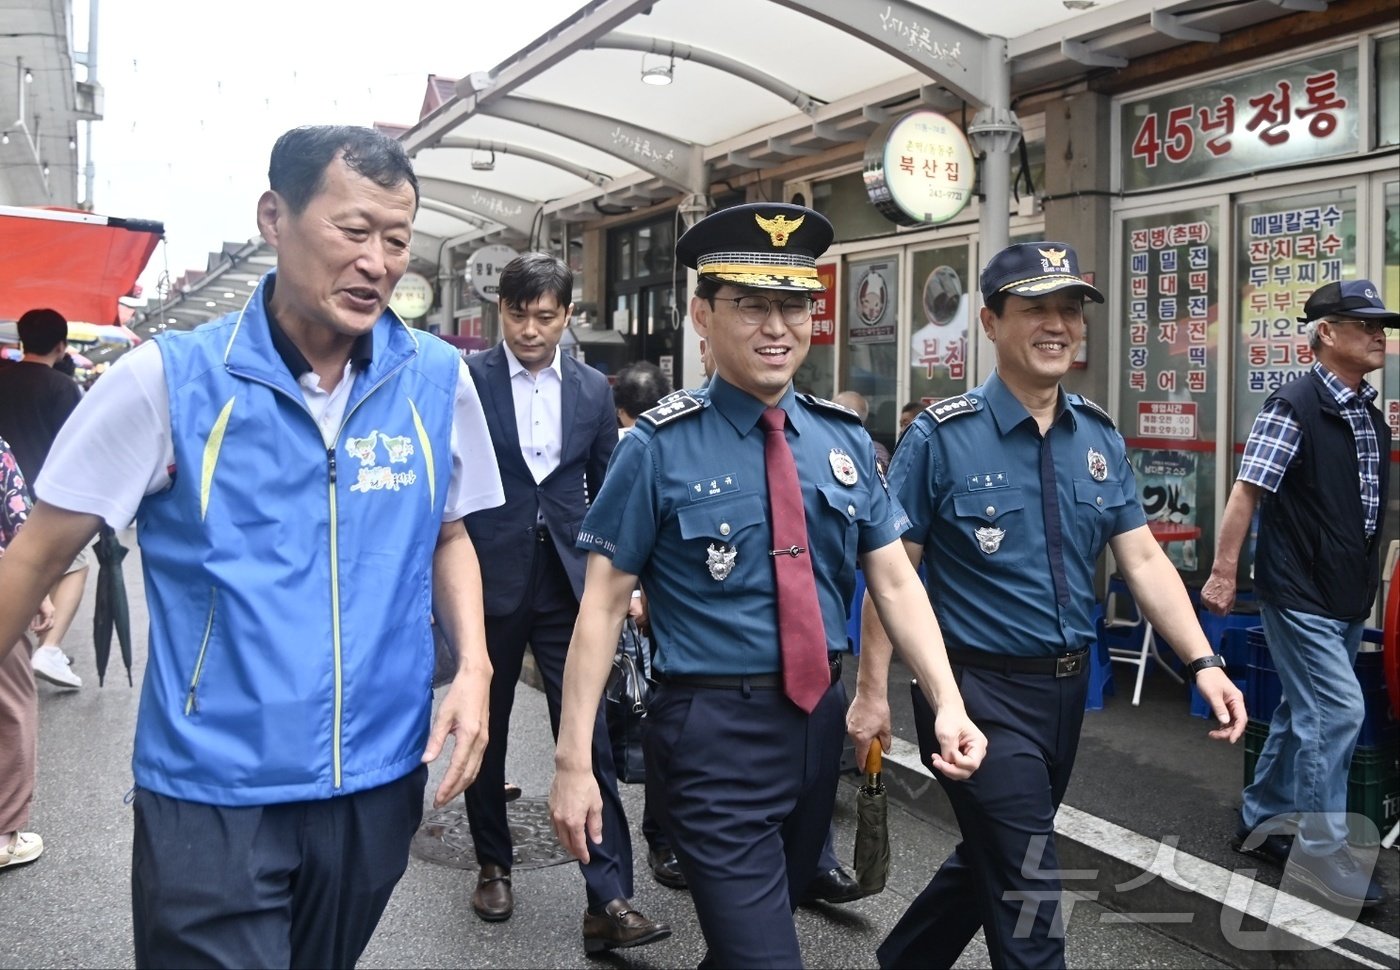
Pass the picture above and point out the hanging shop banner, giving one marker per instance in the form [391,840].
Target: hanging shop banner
[484,267]
[919,169]
[1287,248]
[1282,115]
[824,307]
[873,298]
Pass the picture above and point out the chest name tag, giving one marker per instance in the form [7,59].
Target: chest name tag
[710,487]
[986,480]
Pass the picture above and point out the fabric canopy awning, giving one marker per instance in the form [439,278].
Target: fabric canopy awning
[74,262]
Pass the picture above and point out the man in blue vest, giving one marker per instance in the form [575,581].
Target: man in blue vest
[1316,465]
[296,471]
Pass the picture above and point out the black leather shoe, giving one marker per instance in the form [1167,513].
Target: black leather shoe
[833,886]
[618,927]
[1264,843]
[665,869]
[493,900]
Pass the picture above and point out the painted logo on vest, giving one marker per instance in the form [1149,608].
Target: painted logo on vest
[374,477]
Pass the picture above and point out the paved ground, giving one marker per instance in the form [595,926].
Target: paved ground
[71,908]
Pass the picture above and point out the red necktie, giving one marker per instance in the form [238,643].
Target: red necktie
[801,635]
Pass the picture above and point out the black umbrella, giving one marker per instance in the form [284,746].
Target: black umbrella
[872,860]
[111,608]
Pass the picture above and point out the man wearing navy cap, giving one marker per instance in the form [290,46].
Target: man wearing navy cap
[1012,491]
[743,508]
[1316,464]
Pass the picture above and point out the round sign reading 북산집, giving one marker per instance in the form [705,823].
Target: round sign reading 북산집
[919,169]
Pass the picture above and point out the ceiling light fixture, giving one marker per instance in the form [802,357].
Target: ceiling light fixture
[46,170]
[72,144]
[483,163]
[658,74]
[28,76]
[4,138]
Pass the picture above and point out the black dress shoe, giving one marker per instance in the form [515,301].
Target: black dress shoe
[665,869]
[1269,844]
[618,927]
[493,900]
[833,886]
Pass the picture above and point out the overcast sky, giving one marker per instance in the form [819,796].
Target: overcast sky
[196,94]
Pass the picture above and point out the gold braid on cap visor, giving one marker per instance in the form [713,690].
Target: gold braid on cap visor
[1037,283]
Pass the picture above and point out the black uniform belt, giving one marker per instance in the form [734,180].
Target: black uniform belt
[1065,665]
[741,681]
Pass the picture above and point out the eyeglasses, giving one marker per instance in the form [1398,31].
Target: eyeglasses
[754,309]
[1371,327]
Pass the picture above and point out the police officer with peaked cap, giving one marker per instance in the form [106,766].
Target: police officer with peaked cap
[745,777]
[1012,491]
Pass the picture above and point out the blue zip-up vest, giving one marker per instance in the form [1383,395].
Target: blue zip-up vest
[289,583]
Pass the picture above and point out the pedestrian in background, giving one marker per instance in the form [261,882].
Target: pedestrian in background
[299,471]
[742,508]
[999,483]
[553,425]
[856,401]
[19,701]
[1316,465]
[36,398]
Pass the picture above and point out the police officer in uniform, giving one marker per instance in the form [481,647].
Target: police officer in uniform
[748,616]
[1012,491]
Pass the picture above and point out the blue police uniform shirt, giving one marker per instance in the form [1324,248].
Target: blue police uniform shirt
[685,507]
[1012,523]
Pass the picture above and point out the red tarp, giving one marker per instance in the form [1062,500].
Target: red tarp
[75,262]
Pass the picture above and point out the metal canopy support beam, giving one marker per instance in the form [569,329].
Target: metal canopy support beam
[743,161]
[995,133]
[506,148]
[456,212]
[1082,53]
[509,210]
[684,52]
[669,159]
[425,247]
[1171,25]
[784,146]
[932,44]
[1313,6]
[827,131]
[538,58]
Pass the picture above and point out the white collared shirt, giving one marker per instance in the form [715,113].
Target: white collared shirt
[538,413]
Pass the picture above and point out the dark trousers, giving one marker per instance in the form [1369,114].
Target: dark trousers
[299,884]
[544,621]
[744,782]
[1003,876]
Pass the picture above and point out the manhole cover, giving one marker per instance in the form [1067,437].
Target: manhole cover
[445,838]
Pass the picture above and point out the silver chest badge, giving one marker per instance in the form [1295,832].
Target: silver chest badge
[1098,465]
[842,467]
[720,560]
[989,538]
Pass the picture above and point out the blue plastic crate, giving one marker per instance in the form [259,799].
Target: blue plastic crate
[1262,691]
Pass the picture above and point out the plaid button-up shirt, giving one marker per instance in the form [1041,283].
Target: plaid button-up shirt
[1273,443]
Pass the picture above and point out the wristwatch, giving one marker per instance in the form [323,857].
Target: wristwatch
[1204,663]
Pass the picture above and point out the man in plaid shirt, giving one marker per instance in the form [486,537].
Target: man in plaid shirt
[1316,464]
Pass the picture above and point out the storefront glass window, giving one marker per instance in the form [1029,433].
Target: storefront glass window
[1390,383]
[941,310]
[1285,249]
[872,357]
[817,375]
[843,201]
[1388,91]
[1171,267]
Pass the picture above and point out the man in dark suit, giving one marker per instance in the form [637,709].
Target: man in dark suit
[554,427]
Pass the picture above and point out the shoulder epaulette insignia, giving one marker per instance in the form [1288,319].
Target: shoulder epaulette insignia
[951,407]
[1090,405]
[823,403]
[675,405]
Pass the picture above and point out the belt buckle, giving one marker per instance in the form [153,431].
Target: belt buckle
[1069,664]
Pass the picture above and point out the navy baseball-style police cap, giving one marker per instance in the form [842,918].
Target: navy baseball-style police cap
[1035,269]
[766,245]
[1353,298]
